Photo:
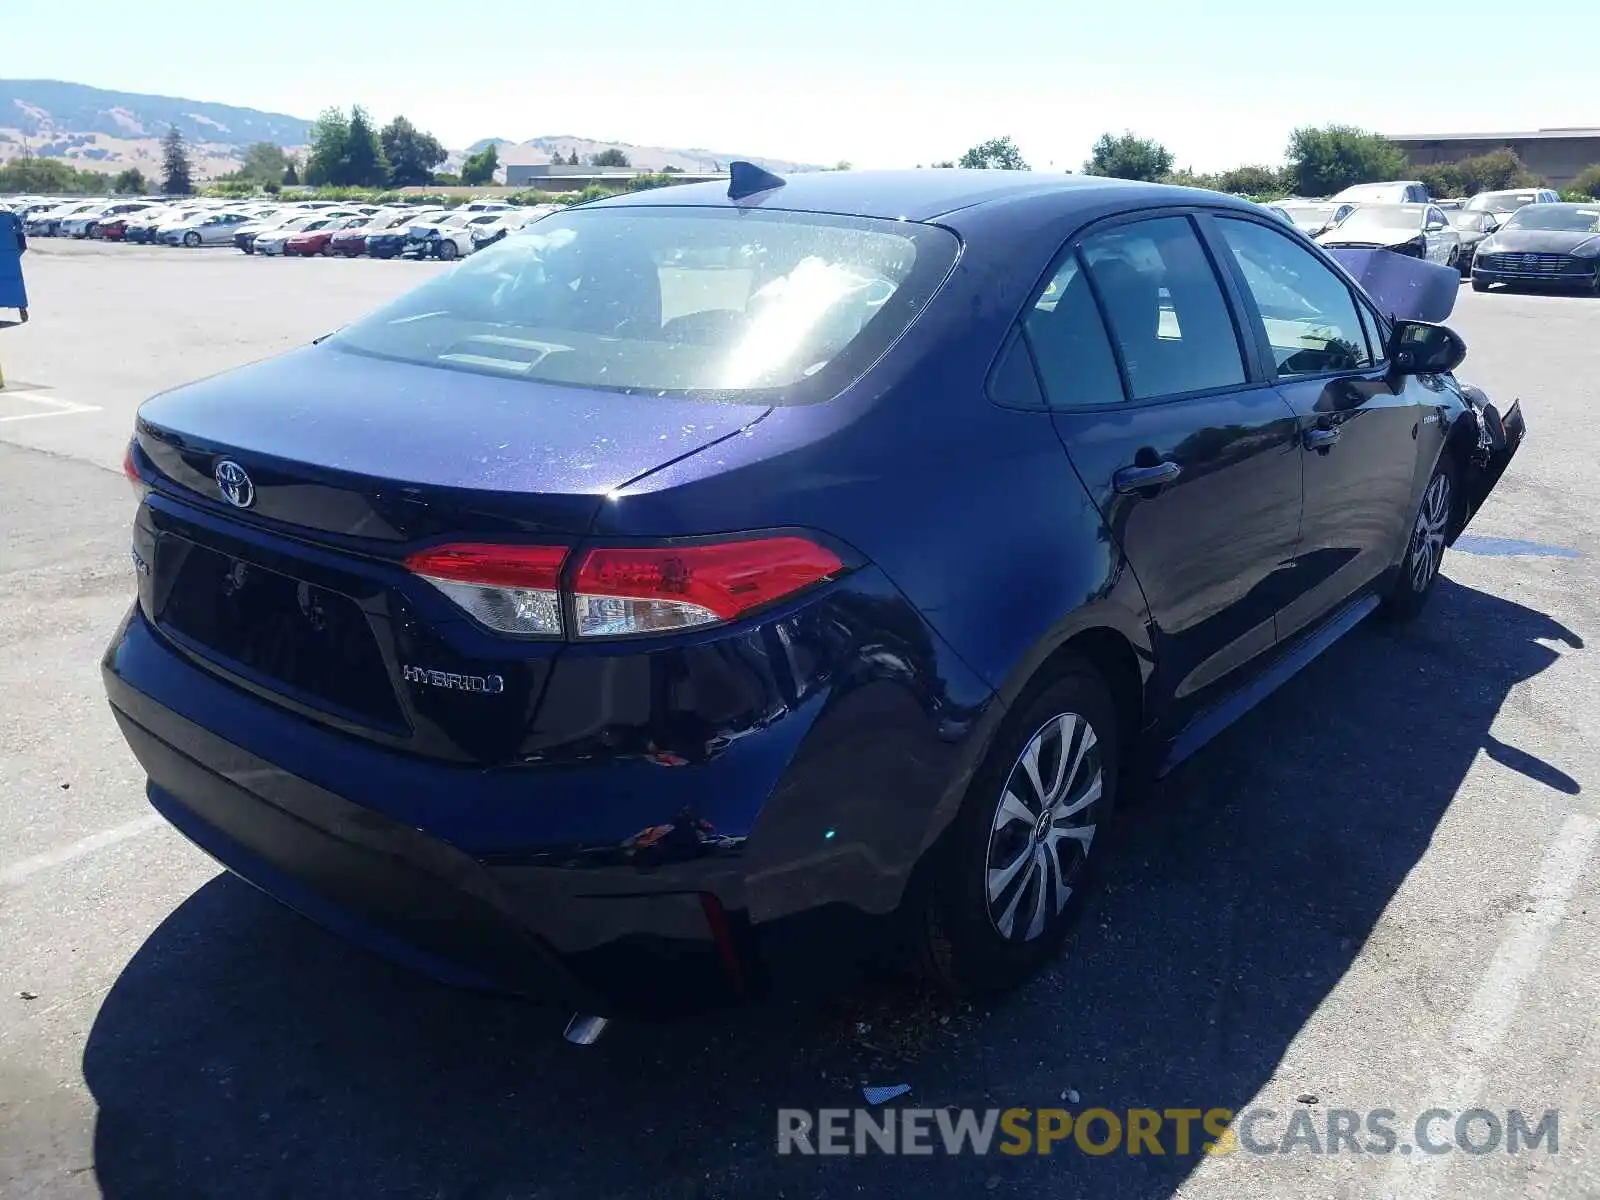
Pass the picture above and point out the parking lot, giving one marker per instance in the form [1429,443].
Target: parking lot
[1379,891]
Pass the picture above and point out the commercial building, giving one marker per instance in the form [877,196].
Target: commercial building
[1555,154]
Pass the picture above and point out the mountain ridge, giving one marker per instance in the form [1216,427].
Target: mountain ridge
[106,130]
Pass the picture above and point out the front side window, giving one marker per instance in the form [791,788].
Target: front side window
[1164,307]
[1308,311]
[771,305]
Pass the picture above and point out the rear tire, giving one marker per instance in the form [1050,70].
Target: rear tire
[447,249]
[1430,530]
[1011,883]
[191,239]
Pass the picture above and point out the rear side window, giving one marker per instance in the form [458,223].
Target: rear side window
[1308,311]
[1076,366]
[1164,307]
[775,306]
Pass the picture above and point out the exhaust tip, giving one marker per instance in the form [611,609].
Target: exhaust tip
[584,1029]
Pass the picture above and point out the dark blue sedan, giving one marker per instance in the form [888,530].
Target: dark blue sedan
[716,589]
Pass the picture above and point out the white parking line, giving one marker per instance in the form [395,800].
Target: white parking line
[1493,1006]
[18,872]
[52,406]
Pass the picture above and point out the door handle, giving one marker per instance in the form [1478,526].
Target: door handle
[1141,479]
[1321,439]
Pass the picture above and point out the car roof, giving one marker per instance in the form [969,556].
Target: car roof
[917,195]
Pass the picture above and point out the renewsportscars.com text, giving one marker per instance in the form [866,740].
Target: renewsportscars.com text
[1168,1131]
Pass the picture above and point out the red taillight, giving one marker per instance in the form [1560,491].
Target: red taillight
[619,591]
[511,589]
[130,468]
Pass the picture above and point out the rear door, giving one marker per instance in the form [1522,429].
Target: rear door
[1358,422]
[1191,457]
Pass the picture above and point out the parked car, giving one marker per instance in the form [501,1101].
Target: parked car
[352,242]
[390,242]
[1542,244]
[290,221]
[1402,191]
[512,222]
[448,236]
[84,224]
[274,241]
[1416,230]
[145,227]
[314,239]
[1503,204]
[203,229]
[570,629]
[1471,226]
[1312,217]
[47,222]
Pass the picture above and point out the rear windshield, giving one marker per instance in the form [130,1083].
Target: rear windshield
[790,306]
[1501,202]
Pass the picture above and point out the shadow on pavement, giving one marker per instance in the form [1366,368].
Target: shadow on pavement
[244,1053]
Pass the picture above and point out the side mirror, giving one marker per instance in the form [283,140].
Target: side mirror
[1423,348]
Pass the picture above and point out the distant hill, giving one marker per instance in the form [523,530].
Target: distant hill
[96,129]
[649,158]
[107,131]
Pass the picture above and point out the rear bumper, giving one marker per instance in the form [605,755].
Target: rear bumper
[515,877]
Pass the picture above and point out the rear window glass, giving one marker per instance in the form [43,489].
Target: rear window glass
[672,300]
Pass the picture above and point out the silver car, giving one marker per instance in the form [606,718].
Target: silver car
[204,229]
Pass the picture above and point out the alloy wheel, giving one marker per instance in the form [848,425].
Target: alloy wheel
[1427,539]
[1043,827]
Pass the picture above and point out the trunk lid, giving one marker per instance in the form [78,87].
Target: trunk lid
[341,443]
[301,595]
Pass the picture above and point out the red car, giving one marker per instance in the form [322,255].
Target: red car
[116,228]
[316,241]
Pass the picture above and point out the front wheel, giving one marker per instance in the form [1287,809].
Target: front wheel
[1017,865]
[447,249]
[191,239]
[1419,570]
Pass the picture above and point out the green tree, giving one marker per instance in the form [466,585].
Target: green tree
[1251,180]
[944,163]
[364,162]
[479,168]
[412,154]
[999,153]
[49,176]
[330,142]
[291,174]
[1189,177]
[1323,161]
[1442,179]
[263,163]
[177,176]
[609,158]
[1494,172]
[1587,182]
[129,182]
[1129,157]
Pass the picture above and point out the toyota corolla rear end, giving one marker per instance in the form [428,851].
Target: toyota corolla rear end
[394,661]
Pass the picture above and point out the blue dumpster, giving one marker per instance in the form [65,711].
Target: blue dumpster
[12,243]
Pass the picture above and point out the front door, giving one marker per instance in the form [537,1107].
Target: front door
[1359,423]
[1194,467]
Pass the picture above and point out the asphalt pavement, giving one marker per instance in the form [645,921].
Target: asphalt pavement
[1380,891]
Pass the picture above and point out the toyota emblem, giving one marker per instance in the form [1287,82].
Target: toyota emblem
[234,483]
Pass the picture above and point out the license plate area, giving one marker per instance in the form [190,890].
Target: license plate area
[312,644]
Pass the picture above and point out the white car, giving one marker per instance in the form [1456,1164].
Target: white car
[509,223]
[202,229]
[451,236]
[48,222]
[83,224]
[270,241]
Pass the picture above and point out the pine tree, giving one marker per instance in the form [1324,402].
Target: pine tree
[177,176]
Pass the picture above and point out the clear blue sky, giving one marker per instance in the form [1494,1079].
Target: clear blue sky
[822,80]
